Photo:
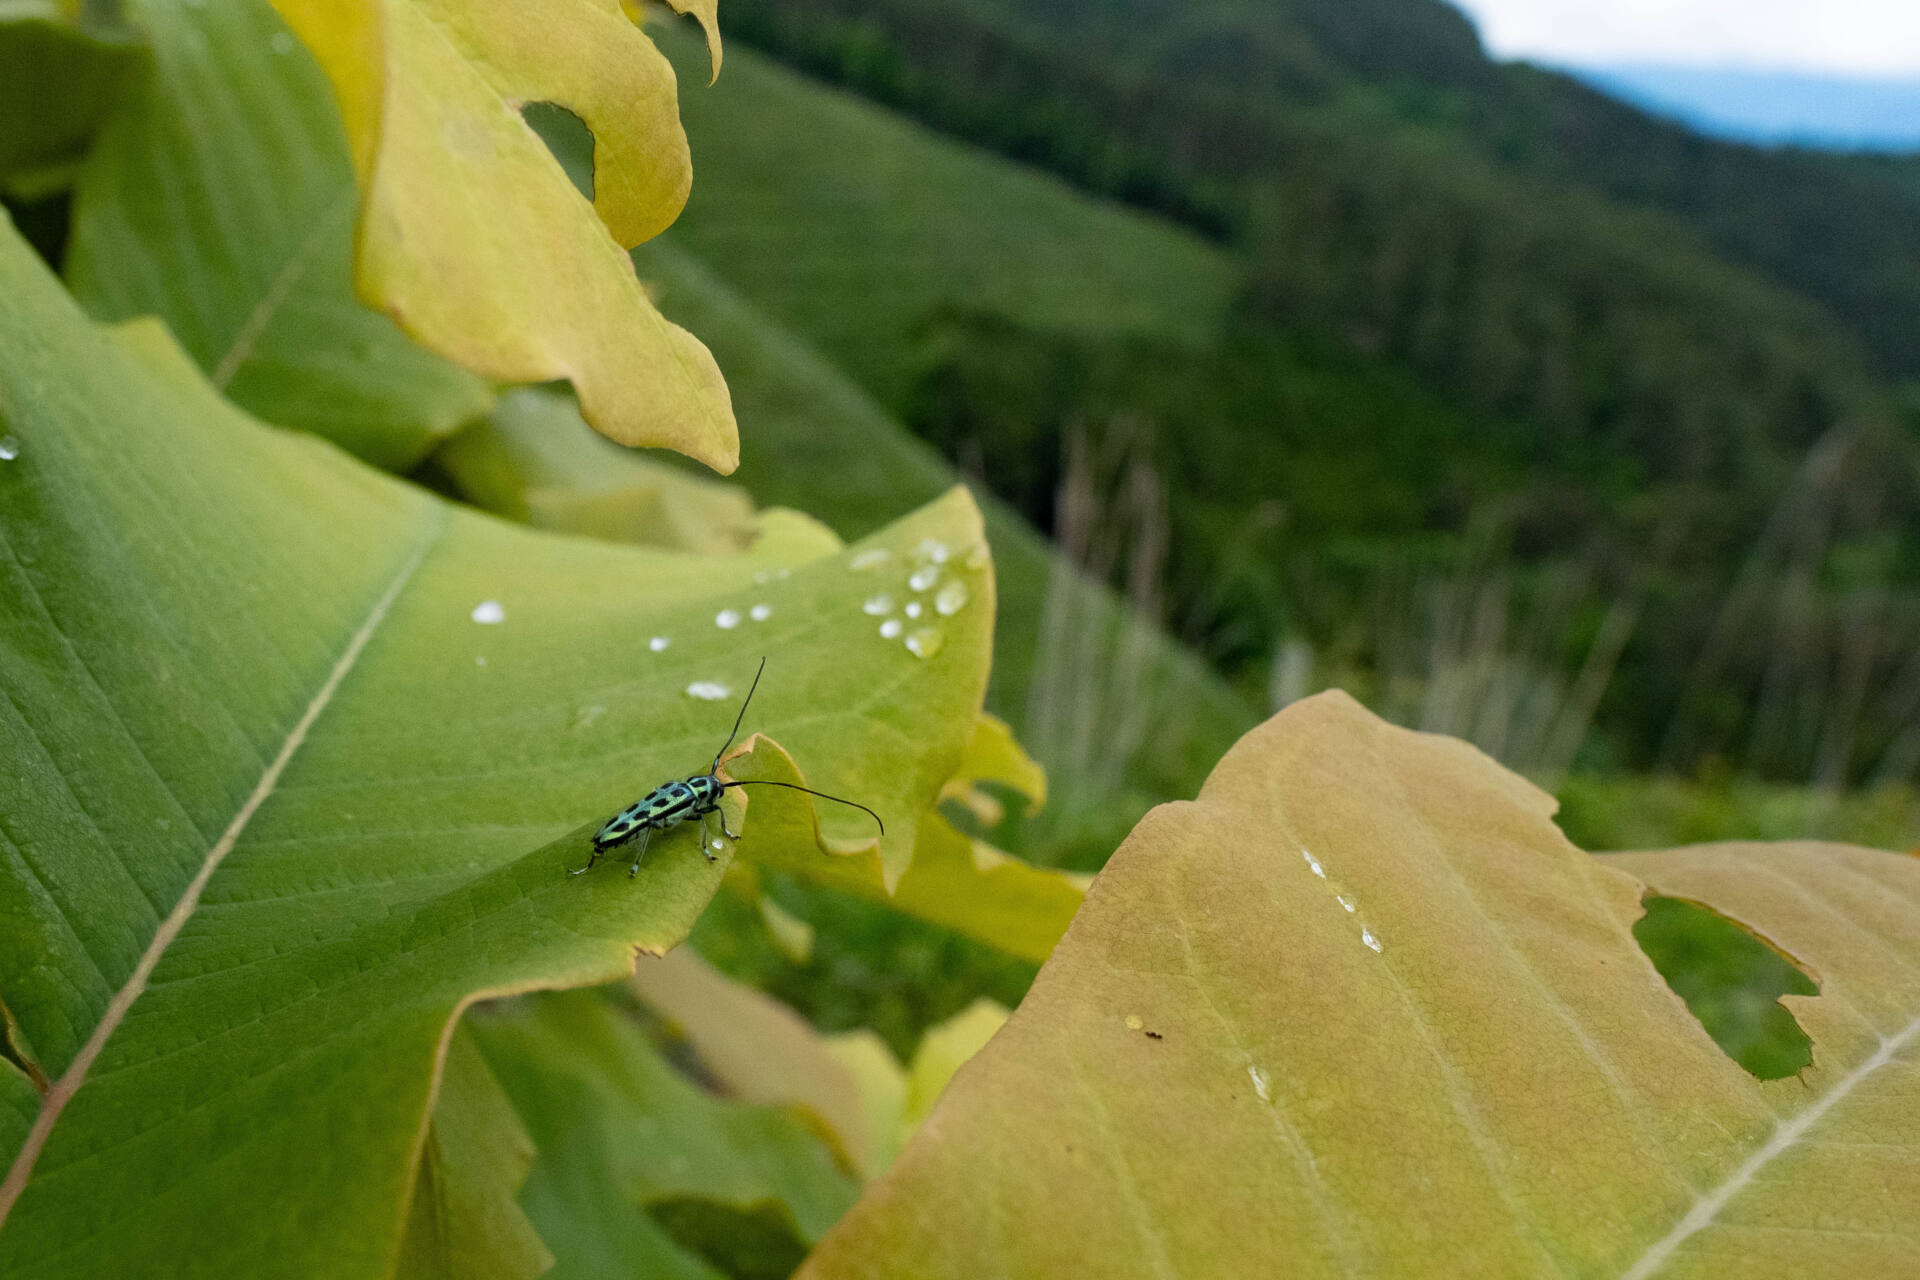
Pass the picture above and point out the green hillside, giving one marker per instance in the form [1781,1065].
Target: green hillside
[852,226]
[818,442]
[1414,354]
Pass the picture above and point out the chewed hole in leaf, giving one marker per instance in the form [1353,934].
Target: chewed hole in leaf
[567,137]
[1732,981]
[760,1243]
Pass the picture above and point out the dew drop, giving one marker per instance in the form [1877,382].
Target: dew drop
[924,578]
[914,609]
[977,558]
[925,642]
[1259,1079]
[877,605]
[760,612]
[933,549]
[952,598]
[282,43]
[718,847]
[727,619]
[479,661]
[659,643]
[1313,864]
[871,558]
[1133,1022]
[1366,936]
[489,613]
[1342,899]
[709,691]
[890,629]
[9,448]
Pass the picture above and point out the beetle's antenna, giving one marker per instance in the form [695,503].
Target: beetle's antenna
[742,716]
[794,786]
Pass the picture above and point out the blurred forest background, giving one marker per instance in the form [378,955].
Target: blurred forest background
[1303,345]
[1353,357]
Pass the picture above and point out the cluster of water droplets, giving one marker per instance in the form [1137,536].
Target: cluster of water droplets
[1367,936]
[936,587]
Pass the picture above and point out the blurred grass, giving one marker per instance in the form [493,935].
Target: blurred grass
[1625,812]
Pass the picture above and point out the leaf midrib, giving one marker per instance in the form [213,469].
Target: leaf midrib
[54,1101]
[1783,1139]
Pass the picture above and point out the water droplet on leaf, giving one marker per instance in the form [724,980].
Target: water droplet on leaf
[489,612]
[871,558]
[952,598]
[9,448]
[709,691]
[760,612]
[877,605]
[922,579]
[659,643]
[925,642]
[890,629]
[727,619]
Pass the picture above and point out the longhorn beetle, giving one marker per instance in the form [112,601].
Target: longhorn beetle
[672,803]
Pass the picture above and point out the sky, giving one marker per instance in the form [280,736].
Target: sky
[1848,37]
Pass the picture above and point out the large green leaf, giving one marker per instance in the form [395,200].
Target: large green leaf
[220,197]
[473,237]
[1362,1010]
[299,755]
[619,1130]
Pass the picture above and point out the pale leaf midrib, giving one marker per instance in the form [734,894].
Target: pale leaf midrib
[1784,1137]
[70,1081]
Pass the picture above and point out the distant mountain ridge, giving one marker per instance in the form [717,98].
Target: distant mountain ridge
[1832,112]
[1193,110]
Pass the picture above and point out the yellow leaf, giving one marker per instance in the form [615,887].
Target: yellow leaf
[471,235]
[761,1051]
[944,1050]
[993,755]
[1361,1009]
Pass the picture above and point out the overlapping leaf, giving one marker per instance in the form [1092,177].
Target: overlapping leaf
[299,756]
[619,1130]
[471,234]
[1362,1010]
[533,459]
[220,198]
[58,75]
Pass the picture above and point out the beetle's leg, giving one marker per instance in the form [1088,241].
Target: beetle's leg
[731,835]
[591,859]
[646,834]
[705,847]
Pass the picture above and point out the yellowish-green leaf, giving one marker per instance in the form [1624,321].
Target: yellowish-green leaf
[850,1083]
[619,1130]
[299,756]
[1362,1010]
[536,461]
[943,1051]
[993,755]
[471,235]
[465,1223]
[761,1051]
[944,878]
